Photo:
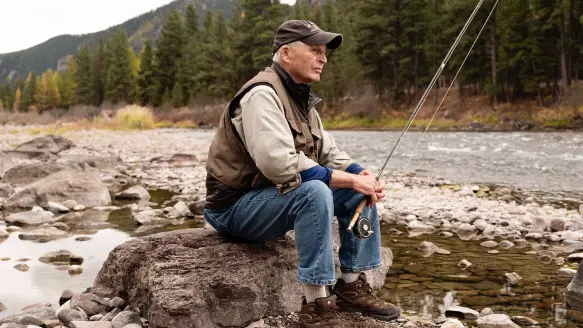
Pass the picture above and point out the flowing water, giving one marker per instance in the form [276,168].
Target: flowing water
[547,162]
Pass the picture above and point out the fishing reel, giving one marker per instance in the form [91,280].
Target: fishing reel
[360,225]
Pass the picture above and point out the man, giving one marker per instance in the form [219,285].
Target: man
[272,168]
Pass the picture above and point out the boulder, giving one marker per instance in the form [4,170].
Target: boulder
[574,290]
[49,143]
[90,303]
[30,218]
[24,174]
[84,187]
[134,192]
[5,189]
[194,277]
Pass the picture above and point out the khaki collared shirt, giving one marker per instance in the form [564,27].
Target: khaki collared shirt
[265,132]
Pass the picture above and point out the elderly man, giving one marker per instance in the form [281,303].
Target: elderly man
[272,168]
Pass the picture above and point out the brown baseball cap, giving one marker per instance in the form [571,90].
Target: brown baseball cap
[307,32]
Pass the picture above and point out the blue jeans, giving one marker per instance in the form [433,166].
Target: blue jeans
[262,214]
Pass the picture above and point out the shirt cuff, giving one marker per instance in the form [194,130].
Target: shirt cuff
[354,168]
[319,172]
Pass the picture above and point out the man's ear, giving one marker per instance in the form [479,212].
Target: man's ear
[285,53]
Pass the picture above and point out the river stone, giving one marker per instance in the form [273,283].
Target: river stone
[134,192]
[49,143]
[109,316]
[21,267]
[22,319]
[24,174]
[192,277]
[6,190]
[452,323]
[496,321]
[66,295]
[3,234]
[512,278]
[30,218]
[464,264]
[574,291]
[61,256]
[575,258]
[43,234]
[524,321]
[90,324]
[98,162]
[117,302]
[75,269]
[566,272]
[68,315]
[2,307]
[462,312]
[505,244]
[445,234]
[466,231]
[486,311]
[84,187]
[125,318]
[56,207]
[489,244]
[558,224]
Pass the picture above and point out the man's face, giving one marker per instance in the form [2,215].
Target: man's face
[306,62]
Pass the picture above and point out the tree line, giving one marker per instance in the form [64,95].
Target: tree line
[529,49]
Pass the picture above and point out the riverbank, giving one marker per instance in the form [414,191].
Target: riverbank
[417,209]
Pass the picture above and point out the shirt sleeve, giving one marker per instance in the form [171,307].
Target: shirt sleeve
[321,173]
[269,140]
[330,155]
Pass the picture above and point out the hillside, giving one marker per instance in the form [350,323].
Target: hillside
[139,29]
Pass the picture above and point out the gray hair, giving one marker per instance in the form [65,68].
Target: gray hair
[277,55]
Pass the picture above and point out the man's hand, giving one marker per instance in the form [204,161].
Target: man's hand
[380,188]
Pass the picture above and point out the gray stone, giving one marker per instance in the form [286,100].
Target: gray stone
[462,312]
[125,318]
[496,321]
[109,316]
[66,296]
[49,143]
[250,281]
[68,315]
[21,267]
[574,290]
[134,192]
[566,272]
[22,319]
[84,187]
[75,269]
[452,323]
[90,324]
[486,311]
[56,207]
[489,244]
[30,218]
[96,317]
[90,303]
[6,190]
[505,244]
[524,321]
[117,302]
[43,234]
[61,256]
[558,224]
[512,278]
[24,174]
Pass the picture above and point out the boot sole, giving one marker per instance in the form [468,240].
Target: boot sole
[372,315]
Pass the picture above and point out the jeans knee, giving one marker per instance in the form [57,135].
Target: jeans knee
[318,191]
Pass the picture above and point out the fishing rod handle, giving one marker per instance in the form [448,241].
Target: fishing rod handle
[357,213]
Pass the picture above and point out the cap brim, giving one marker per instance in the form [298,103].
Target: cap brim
[331,40]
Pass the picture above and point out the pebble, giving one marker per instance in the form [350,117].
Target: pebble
[75,269]
[464,264]
[21,267]
[489,244]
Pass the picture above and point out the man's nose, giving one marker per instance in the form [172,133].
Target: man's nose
[323,59]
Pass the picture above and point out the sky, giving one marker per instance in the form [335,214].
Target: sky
[26,23]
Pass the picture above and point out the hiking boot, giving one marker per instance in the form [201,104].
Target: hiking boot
[322,313]
[358,296]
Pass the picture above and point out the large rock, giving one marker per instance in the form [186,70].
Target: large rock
[90,303]
[5,189]
[49,143]
[36,316]
[196,278]
[30,218]
[24,174]
[574,291]
[84,187]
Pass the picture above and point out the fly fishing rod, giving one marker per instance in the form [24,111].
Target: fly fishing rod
[361,225]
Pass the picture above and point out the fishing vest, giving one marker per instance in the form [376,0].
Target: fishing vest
[230,168]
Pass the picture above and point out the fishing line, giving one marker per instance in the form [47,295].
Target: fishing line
[450,85]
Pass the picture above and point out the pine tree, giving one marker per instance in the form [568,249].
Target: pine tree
[145,82]
[255,33]
[68,89]
[119,74]
[28,94]
[55,84]
[317,15]
[83,90]
[41,93]
[1,105]
[98,73]
[177,97]
[17,97]
[168,53]
[191,20]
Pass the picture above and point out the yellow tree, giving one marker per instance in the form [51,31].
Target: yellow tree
[56,83]
[17,97]
[41,93]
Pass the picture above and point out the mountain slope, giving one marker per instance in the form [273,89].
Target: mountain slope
[139,29]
